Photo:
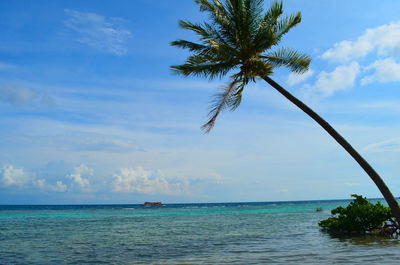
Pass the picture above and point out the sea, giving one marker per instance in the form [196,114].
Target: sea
[212,233]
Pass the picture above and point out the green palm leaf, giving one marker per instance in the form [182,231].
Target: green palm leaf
[296,62]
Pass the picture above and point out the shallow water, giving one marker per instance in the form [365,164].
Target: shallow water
[244,233]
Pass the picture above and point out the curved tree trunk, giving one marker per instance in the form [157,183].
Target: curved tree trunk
[394,206]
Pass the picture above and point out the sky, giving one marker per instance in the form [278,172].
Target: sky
[90,111]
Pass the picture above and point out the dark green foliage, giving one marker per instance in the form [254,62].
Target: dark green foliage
[240,39]
[359,216]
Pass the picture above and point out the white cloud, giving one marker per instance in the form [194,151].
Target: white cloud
[99,32]
[384,40]
[144,181]
[11,176]
[386,70]
[295,79]
[342,78]
[59,187]
[41,183]
[78,176]
[392,145]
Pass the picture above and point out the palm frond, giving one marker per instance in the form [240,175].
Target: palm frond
[233,12]
[265,37]
[254,10]
[296,62]
[211,38]
[191,46]
[237,97]
[221,19]
[212,49]
[215,36]
[197,28]
[286,24]
[251,18]
[205,5]
[204,66]
[228,97]
[205,31]
[273,13]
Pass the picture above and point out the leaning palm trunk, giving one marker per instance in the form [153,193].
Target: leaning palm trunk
[390,199]
[241,40]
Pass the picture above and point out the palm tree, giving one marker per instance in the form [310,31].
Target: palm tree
[238,41]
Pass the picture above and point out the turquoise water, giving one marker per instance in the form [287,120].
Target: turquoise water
[244,233]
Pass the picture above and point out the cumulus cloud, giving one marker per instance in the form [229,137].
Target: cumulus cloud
[342,78]
[295,79]
[378,42]
[386,70]
[79,174]
[383,39]
[60,187]
[43,185]
[102,33]
[11,176]
[143,181]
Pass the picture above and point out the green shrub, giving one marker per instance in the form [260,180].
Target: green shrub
[359,216]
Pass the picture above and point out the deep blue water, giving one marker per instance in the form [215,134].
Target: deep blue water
[219,233]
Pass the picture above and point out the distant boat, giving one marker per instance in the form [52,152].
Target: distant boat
[152,204]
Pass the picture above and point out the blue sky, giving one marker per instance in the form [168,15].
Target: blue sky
[91,113]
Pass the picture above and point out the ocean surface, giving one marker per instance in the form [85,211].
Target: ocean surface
[224,233]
